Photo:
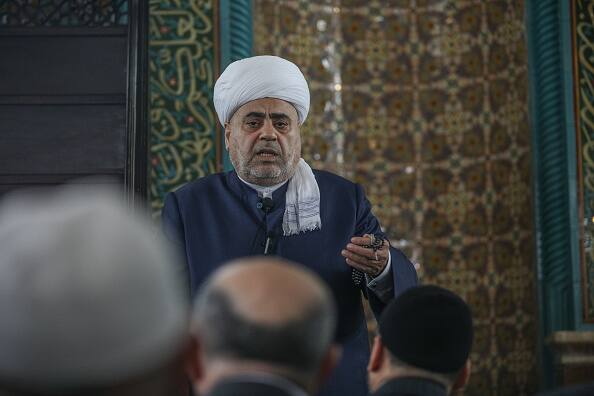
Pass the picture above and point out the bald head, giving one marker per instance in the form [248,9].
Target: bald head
[269,291]
[266,310]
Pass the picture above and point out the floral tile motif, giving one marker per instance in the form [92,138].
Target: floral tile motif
[425,104]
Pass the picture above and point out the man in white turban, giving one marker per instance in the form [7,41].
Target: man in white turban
[274,203]
[89,301]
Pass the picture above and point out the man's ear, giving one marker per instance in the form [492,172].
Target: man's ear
[463,376]
[329,362]
[376,359]
[227,127]
[193,364]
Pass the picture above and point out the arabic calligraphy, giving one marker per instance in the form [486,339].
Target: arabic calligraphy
[182,66]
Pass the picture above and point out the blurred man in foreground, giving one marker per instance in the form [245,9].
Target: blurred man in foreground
[424,345]
[89,302]
[263,327]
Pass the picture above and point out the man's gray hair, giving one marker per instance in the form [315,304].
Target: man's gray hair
[298,344]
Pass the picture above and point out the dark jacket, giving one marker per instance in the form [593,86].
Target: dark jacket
[216,218]
[256,385]
[574,390]
[411,387]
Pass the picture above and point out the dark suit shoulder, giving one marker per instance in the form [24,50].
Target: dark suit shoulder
[331,177]
[201,186]
[248,388]
[325,178]
[575,390]
[411,387]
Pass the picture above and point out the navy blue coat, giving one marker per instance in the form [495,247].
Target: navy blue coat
[411,386]
[217,218]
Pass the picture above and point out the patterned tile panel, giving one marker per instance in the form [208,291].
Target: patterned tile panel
[425,104]
[583,33]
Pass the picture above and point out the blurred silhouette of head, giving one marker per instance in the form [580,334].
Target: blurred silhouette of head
[264,315]
[425,332]
[89,300]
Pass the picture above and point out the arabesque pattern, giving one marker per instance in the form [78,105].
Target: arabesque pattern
[424,102]
[583,31]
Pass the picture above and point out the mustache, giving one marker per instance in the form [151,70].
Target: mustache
[267,148]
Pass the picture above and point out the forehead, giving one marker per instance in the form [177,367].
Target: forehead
[267,106]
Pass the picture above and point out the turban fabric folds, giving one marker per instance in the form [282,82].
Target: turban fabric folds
[260,77]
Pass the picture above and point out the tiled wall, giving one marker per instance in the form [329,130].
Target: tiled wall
[425,104]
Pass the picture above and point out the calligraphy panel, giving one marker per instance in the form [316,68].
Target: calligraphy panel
[185,136]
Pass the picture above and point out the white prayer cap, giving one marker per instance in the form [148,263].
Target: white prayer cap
[260,77]
[88,295]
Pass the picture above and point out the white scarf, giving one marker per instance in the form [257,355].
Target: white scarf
[302,201]
[302,210]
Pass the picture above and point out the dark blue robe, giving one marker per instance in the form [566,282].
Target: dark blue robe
[218,218]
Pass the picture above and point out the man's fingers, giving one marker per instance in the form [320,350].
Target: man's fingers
[356,265]
[379,255]
[365,259]
[361,251]
[367,268]
[362,267]
[360,260]
[361,240]
[365,241]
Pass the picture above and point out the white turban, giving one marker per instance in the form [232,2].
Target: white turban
[88,295]
[260,77]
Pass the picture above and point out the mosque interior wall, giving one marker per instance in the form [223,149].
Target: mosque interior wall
[425,103]
[427,108]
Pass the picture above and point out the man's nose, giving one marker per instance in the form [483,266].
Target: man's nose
[268,132]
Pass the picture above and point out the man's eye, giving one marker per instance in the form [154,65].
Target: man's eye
[281,125]
[252,124]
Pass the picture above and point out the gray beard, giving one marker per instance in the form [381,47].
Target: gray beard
[264,173]
[267,175]
[262,177]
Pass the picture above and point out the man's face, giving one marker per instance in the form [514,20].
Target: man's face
[264,141]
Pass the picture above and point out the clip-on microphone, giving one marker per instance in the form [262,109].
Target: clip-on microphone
[266,205]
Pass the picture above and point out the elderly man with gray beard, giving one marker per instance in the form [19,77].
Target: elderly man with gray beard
[273,203]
